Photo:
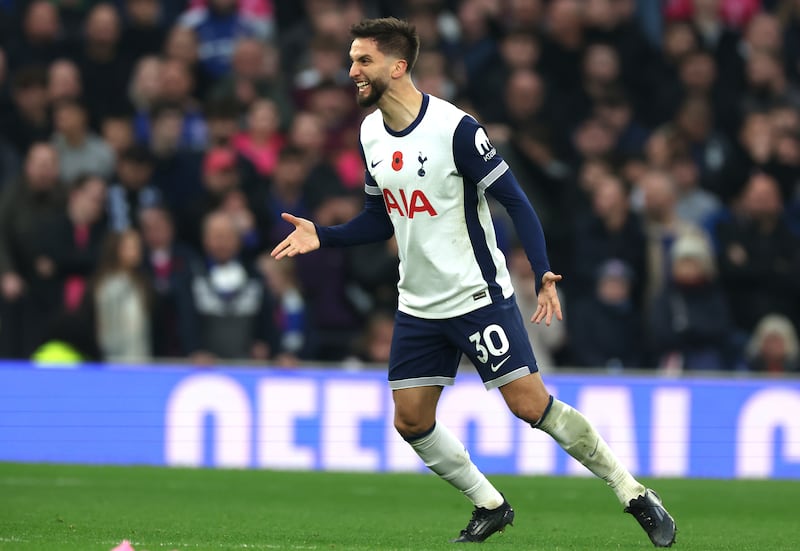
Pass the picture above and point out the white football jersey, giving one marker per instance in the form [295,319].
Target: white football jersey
[433,176]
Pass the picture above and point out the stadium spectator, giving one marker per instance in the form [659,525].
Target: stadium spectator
[177,89]
[261,140]
[223,189]
[40,40]
[122,300]
[434,76]
[181,44]
[308,138]
[255,73]
[601,74]
[335,307]
[25,208]
[679,41]
[698,76]
[774,348]
[64,81]
[593,138]
[144,30]
[71,242]
[766,83]
[563,44]
[218,25]
[662,227]
[287,190]
[759,140]
[289,310]
[320,18]
[222,123]
[325,65]
[372,285]
[523,105]
[716,36]
[710,149]
[789,13]
[524,15]
[612,22]
[694,205]
[333,105]
[103,62]
[80,150]
[437,28]
[117,132]
[611,231]
[716,14]
[756,246]
[132,190]
[605,327]
[690,322]
[177,172]
[616,111]
[145,87]
[30,116]
[167,265]
[232,307]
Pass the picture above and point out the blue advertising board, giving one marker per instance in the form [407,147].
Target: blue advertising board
[338,420]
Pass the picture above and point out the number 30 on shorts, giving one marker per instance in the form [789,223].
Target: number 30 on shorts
[492,340]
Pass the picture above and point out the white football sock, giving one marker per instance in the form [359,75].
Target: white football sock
[578,437]
[442,453]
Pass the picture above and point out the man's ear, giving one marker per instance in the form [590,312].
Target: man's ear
[400,68]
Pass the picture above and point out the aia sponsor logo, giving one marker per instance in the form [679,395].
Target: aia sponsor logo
[409,206]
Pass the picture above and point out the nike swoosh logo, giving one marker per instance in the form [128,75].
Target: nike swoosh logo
[373,164]
[496,367]
[594,451]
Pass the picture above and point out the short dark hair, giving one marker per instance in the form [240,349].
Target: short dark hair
[71,103]
[29,77]
[137,154]
[392,36]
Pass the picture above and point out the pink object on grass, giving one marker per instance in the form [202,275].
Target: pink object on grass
[124,546]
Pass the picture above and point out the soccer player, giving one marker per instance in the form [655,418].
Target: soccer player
[429,167]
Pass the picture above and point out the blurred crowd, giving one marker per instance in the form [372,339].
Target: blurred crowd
[148,148]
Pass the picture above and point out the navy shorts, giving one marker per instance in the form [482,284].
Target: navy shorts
[426,352]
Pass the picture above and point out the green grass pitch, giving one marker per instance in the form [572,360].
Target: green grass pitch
[78,508]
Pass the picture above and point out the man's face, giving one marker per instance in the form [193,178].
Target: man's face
[156,228]
[41,167]
[92,198]
[224,6]
[220,238]
[370,70]
[70,119]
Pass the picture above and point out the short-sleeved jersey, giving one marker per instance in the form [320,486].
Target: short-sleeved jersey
[433,176]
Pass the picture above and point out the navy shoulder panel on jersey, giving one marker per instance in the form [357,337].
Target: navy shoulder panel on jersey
[370,185]
[478,162]
[476,158]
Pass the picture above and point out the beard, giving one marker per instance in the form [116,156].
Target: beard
[376,91]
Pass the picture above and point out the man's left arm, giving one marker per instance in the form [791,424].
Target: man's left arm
[478,162]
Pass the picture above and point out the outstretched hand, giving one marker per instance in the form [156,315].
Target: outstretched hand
[302,240]
[549,304]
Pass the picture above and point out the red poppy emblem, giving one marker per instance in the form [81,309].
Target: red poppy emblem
[397,160]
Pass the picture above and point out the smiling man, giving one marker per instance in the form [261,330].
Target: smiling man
[429,169]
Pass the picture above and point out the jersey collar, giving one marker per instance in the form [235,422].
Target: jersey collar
[408,129]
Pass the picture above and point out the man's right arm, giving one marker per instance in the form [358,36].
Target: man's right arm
[372,224]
